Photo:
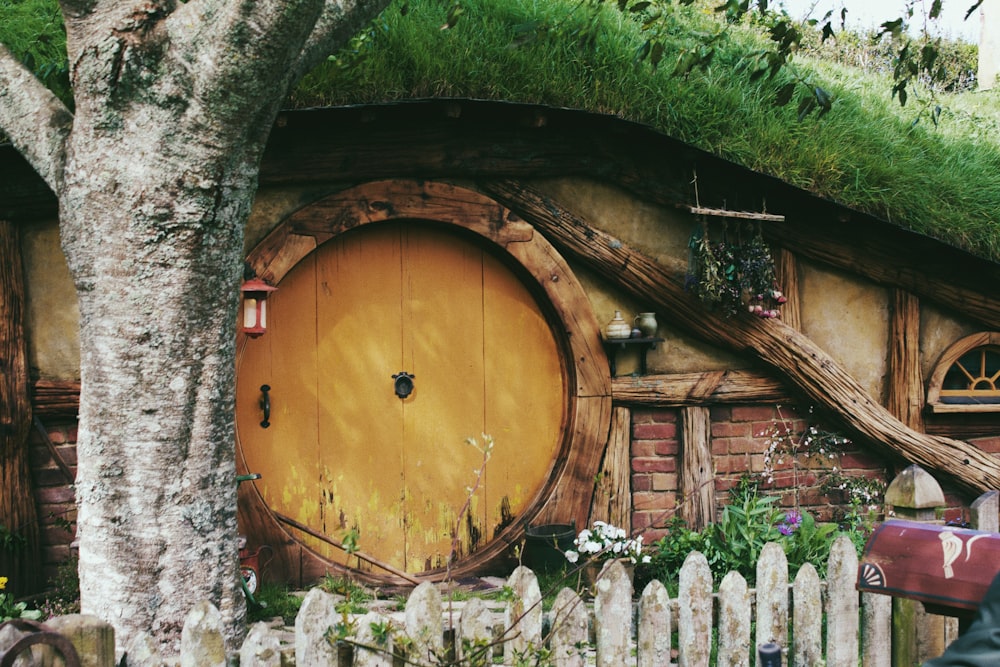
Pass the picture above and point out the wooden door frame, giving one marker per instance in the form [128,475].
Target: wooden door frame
[566,496]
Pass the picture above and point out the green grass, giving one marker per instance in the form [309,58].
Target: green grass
[867,153]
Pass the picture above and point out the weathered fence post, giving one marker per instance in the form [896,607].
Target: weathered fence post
[261,648]
[842,604]
[523,617]
[876,630]
[424,624]
[613,614]
[570,629]
[374,642]
[653,633]
[93,639]
[984,512]
[772,597]
[807,614]
[316,617]
[474,632]
[694,625]
[734,621]
[202,644]
[916,635]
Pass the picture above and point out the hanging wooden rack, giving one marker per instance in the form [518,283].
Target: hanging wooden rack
[744,215]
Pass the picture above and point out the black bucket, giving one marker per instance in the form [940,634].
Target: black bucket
[544,546]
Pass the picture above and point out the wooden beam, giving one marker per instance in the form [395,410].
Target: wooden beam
[787,273]
[613,491]
[800,361]
[697,478]
[17,498]
[710,388]
[906,385]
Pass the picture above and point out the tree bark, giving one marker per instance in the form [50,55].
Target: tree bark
[19,554]
[155,172]
[797,358]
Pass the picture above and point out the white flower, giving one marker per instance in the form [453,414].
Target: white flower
[572,556]
[646,559]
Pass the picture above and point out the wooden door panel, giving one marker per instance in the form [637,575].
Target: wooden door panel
[284,358]
[358,301]
[524,397]
[442,334]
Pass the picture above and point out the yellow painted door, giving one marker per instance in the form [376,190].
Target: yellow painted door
[345,452]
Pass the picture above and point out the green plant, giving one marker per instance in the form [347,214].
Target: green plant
[11,609]
[64,590]
[275,600]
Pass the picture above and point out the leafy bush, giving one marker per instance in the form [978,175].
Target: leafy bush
[750,521]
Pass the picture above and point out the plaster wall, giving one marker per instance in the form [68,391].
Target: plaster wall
[51,313]
[849,318]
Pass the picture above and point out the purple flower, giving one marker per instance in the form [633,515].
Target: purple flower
[791,522]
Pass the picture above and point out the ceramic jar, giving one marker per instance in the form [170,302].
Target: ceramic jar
[646,323]
[617,327]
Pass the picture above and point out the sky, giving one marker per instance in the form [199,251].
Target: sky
[871,13]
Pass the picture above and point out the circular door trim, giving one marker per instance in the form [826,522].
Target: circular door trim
[567,495]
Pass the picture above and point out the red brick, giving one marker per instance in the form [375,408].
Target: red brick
[751,413]
[658,464]
[642,483]
[54,495]
[642,416]
[643,448]
[57,437]
[659,431]
[731,429]
[666,447]
[744,446]
[652,500]
[665,416]
[720,413]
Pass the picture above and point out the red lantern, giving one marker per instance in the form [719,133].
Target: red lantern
[255,292]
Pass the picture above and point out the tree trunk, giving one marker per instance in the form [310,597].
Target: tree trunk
[789,352]
[19,555]
[155,252]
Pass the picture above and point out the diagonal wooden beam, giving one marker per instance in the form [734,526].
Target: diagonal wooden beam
[795,357]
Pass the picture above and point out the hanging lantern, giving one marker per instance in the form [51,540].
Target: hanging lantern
[255,292]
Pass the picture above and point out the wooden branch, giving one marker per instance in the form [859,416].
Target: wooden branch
[713,387]
[743,215]
[805,366]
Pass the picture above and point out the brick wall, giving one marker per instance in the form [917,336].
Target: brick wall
[740,437]
[54,493]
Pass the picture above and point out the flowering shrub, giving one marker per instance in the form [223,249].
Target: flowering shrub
[9,609]
[604,542]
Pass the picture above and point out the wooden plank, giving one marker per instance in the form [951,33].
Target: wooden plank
[787,274]
[807,367]
[734,621]
[906,382]
[807,617]
[697,478]
[613,493]
[667,390]
[742,215]
[772,597]
[876,630]
[842,604]
[17,499]
[694,623]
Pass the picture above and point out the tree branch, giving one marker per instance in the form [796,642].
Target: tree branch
[36,121]
[340,20]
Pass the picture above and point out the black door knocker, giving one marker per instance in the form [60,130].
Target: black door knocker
[403,384]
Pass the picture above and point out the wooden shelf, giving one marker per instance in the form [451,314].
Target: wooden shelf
[614,345]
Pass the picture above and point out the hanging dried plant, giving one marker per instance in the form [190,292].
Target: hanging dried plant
[733,275]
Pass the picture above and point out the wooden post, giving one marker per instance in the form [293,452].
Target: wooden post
[613,493]
[906,386]
[916,635]
[18,515]
[697,480]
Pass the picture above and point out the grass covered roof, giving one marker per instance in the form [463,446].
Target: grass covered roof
[941,179]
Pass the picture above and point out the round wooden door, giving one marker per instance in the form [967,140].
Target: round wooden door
[348,452]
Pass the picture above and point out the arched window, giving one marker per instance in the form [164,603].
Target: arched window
[967,377]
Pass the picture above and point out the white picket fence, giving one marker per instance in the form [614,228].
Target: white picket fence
[611,630]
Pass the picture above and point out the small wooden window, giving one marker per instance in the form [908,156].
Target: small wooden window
[967,378]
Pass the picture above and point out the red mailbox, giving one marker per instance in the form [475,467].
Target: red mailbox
[946,568]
